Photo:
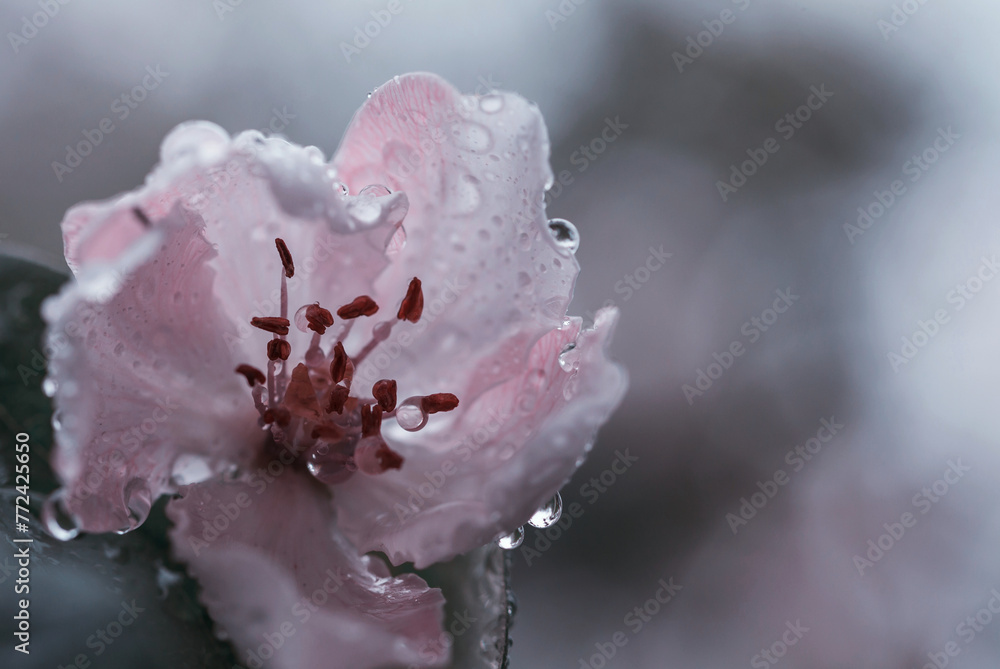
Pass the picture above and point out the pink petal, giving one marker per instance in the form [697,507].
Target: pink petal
[142,375]
[474,171]
[278,577]
[504,456]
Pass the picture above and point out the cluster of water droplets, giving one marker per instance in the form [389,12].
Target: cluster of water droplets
[547,515]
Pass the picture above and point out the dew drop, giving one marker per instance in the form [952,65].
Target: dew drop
[375,190]
[57,519]
[548,514]
[569,358]
[564,234]
[512,540]
[410,415]
[49,387]
[491,104]
[138,501]
[301,322]
[331,463]
[473,137]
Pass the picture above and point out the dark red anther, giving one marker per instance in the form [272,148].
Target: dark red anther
[338,398]
[371,420]
[327,432]
[438,402]
[282,416]
[253,374]
[338,366]
[361,306]
[286,257]
[272,324]
[278,349]
[319,318]
[384,392]
[413,303]
[141,216]
[388,458]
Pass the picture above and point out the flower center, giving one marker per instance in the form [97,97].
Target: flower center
[312,411]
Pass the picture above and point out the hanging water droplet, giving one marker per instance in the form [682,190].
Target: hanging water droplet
[548,514]
[569,358]
[301,322]
[138,501]
[375,190]
[49,387]
[410,415]
[57,519]
[512,540]
[491,103]
[332,463]
[564,234]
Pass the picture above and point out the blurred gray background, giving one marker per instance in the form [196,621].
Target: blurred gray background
[691,87]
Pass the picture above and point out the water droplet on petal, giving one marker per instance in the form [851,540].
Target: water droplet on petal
[569,358]
[332,463]
[49,387]
[564,234]
[138,501]
[57,519]
[548,514]
[410,415]
[512,540]
[375,190]
[491,103]
[473,137]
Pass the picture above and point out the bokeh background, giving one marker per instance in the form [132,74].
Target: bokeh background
[902,73]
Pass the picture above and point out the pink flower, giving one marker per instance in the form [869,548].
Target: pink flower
[406,379]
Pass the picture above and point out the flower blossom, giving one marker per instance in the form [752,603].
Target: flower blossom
[318,360]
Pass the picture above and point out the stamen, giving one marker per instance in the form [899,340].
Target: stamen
[371,420]
[373,456]
[327,432]
[141,216]
[338,366]
[273,324]
[361,306]
[384,392]
[286,257]
[413,303]
[252,374]
[439,402]
[319,318]
[380,333]
[278,349]
[338,398]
